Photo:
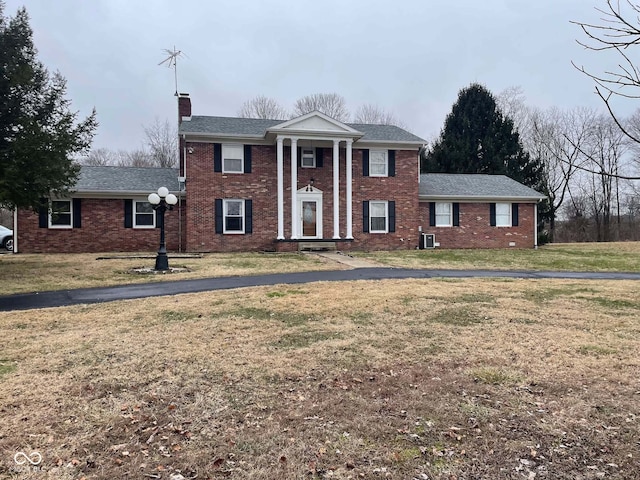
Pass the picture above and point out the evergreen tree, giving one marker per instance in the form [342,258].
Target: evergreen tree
[477,138]
[38,133]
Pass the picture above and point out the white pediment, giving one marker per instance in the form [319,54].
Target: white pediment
[314,122]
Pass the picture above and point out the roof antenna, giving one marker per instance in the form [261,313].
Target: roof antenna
[172,61]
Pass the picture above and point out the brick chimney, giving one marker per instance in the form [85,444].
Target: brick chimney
[184,106]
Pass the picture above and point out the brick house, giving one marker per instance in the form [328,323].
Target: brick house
[310,182]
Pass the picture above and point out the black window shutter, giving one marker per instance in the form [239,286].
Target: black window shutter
[514,214]
[319,159]
[219,216]
[248,216]
[456,214]
[217,157]
[365,163]
[247,159]
[43,213]
[392,163]
[432,214]
[365,216]
[299,156]
[492,214]
[77,213]
[392,216]
[128,214]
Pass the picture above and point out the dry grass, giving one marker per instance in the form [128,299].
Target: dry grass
[590,257]
[35,273]
[435,379]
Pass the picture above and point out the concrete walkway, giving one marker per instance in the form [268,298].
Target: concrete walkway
[346,259]
[60,298]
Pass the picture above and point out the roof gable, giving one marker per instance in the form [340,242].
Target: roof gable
[315,122]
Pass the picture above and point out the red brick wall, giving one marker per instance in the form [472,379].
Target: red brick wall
[475,232]
[102,230]
[204,186]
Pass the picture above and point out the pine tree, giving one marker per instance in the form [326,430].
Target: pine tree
[38,133]
[477,138]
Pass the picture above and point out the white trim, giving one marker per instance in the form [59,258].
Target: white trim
[233,146]
[135,215]
[386,216]
[450,221]
[535,226]
[344,129]
[303,156]
[294,188]
[303,195]
[509,220]
[242,215]
[280,200]
[336,189]
[349,181]
[448,198]
[50,212]
[15,230]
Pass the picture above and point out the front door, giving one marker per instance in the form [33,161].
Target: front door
[310,213]
[309,219]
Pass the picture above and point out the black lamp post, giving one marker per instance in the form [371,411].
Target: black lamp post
[161,202]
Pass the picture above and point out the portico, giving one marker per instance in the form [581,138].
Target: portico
[307,203]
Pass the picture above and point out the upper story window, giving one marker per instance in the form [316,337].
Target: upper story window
[503,214]
[308,158]
[60,214]
[232,158]
[145,215]
[443,214]
[378,163]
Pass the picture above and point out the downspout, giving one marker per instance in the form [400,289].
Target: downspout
[535,225]
[15,230]
[182,186]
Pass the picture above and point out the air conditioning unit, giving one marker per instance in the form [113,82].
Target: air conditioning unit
[427,240]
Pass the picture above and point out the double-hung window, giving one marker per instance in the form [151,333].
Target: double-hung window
[443,214]
[232,158]
[308,159]
[378,217]
[378,163]
[233,216]
[144,215]
[60,214]
[503,214]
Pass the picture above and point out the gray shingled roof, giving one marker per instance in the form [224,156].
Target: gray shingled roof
[258,128]
[126,179]
[470,186]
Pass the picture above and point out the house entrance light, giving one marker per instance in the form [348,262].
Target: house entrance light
[161,202]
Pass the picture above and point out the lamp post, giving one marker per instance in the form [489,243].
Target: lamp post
[161,202]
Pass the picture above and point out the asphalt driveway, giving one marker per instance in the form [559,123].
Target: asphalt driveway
[61,298]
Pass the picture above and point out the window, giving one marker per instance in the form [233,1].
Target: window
[233,216]
[145,216]
[378,217]
[443,214]
[378,163]
[308,159]
[503,214]
[60,214]
[232,158]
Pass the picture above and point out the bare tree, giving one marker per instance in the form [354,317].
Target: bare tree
[162,143]
[99,157]
[135,158]
[263,107]
[373,114]
[618,31]
[330,104]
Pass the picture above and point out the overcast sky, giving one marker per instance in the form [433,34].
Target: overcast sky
[410,57]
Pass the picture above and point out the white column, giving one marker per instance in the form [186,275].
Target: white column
[294,189]
[336,189]
[349,182]
[280,161]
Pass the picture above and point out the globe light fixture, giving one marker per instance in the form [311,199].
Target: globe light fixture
[161,202]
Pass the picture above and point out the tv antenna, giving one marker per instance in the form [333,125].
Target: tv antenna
[172,62]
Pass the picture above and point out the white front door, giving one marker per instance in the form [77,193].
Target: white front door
[310,212]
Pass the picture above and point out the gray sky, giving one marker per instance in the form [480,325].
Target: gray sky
[410,57]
